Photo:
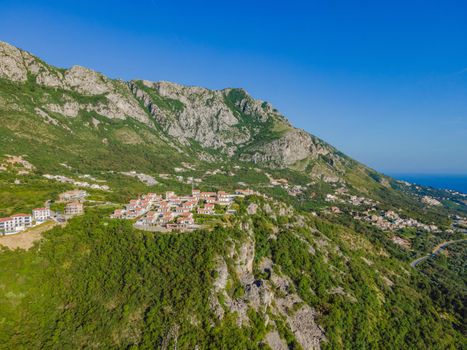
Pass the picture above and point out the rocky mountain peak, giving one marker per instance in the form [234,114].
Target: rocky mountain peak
[228,120]
[86,81]
[12,65]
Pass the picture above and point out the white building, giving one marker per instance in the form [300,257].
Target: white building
[41,214]
[74,208]
[22,221]
[15,223]
[74,195]
[6,225]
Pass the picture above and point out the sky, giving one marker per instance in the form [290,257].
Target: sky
[383,81]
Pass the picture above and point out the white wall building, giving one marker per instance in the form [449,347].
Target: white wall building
[41,214]
[6,225]
[15,223]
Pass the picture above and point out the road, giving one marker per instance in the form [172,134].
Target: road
[435,251]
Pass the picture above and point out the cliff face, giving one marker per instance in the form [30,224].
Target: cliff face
[116,102]
[228,121]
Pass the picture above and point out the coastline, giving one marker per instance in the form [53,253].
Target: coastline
[455,182]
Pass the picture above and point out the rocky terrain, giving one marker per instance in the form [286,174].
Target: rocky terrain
[318,259]
[228,120]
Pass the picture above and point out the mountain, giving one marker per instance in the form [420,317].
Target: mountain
[320,257]
[229,121]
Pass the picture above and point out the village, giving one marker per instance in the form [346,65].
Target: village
[391,221]
[19,222]
[168,212]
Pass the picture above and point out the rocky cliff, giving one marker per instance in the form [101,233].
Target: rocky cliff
[228,121]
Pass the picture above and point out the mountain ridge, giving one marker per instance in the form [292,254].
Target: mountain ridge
[228,119]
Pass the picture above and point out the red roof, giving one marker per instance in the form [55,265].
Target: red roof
[20,215]
[5,219]
[40,209]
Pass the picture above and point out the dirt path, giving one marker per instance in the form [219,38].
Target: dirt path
[435,251]
[26,239]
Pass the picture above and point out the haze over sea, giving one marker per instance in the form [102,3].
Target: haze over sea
[451,182]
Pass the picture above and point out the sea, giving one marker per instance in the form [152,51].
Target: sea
[450,182]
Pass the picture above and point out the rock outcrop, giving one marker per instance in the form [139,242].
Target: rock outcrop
[192,113]
[116,99]
[293,146]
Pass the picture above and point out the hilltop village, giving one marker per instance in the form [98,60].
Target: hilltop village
[170,211]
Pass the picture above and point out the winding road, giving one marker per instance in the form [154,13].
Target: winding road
[435,251]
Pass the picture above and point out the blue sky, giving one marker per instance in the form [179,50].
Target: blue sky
[384,81]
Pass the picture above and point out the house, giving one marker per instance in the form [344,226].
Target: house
[223,194]
[133,205]
[186,219]
[22,220]
[6,225]
[181,209]
[189,205]
[196,193]
[118,213]
[205,195]
[211,200]
[145,203]
[151,218]
[207,210]
[152,197]
[139,210]
[225,201]
[246,192]
[164,207]
[335,210]
[74,195]
[41,214]
[166,218]
[224,198]
[169,194]
[175,201]
[74,208]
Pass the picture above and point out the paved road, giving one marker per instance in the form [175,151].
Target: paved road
[435,251]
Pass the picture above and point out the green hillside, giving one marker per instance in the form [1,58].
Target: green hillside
[319,258]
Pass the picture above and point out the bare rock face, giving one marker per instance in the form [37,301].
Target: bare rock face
[292,147]
[275,342]
[117,102]
[222,275]
[198,114]
[86,81]
[244,262]
[302,321]
[69,109]
[11,63]
[252,208]
[227,120]
[120,106]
